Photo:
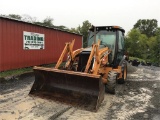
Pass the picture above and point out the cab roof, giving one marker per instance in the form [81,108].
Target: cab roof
[98,28]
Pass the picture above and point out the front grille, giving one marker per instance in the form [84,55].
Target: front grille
[83,59]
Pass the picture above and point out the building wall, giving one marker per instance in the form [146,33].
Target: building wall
[12,54]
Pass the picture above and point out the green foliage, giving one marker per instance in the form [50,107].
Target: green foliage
[136,43]
[143,44]
[139,59]
[157,46]
[147,26]
[15,72]
[62,27]
[82,30]
[74,30]
[38,23]
[28,18]
[48,22]
[15,16]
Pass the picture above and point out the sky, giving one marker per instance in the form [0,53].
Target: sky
[72,13]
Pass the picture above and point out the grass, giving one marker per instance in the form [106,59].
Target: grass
[15,72]
[24,70]
[139,59]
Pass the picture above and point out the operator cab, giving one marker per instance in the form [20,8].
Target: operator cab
[111,37]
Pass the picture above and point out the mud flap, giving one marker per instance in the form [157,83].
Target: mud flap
[75,88]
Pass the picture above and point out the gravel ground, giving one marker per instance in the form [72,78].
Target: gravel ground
[137,99]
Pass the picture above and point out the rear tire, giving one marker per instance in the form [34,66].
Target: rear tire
[124,74]
[111,83]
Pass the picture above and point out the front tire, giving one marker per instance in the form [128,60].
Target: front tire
[111,83]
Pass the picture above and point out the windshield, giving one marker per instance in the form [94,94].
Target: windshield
[107,38]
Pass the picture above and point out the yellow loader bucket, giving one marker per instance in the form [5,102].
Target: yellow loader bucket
[75,88]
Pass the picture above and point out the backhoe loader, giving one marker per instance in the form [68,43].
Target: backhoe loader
[87,72]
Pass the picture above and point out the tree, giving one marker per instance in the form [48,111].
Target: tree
[84,31]
[157,47]
[147,26]
[25,17]
[48,22]
[136,43]
[39,23]
[15,16]
[74,30]
[141,46]
[28,18]
[62,27]
[148,37]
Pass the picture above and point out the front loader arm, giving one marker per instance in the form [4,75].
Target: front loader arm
[90,58]
[98,59]
[68,48]
[72,54]
[92,54]
[98,55]
[75,53]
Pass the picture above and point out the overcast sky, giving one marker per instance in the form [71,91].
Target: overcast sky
[72,13]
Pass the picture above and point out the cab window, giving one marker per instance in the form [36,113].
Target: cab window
[121,41]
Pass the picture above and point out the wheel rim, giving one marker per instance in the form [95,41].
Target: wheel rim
[125,73]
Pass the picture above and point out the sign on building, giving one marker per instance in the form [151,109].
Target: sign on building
[33,40]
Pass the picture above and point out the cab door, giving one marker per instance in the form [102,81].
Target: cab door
[120,50]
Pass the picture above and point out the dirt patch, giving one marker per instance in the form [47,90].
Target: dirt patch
[16,104]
